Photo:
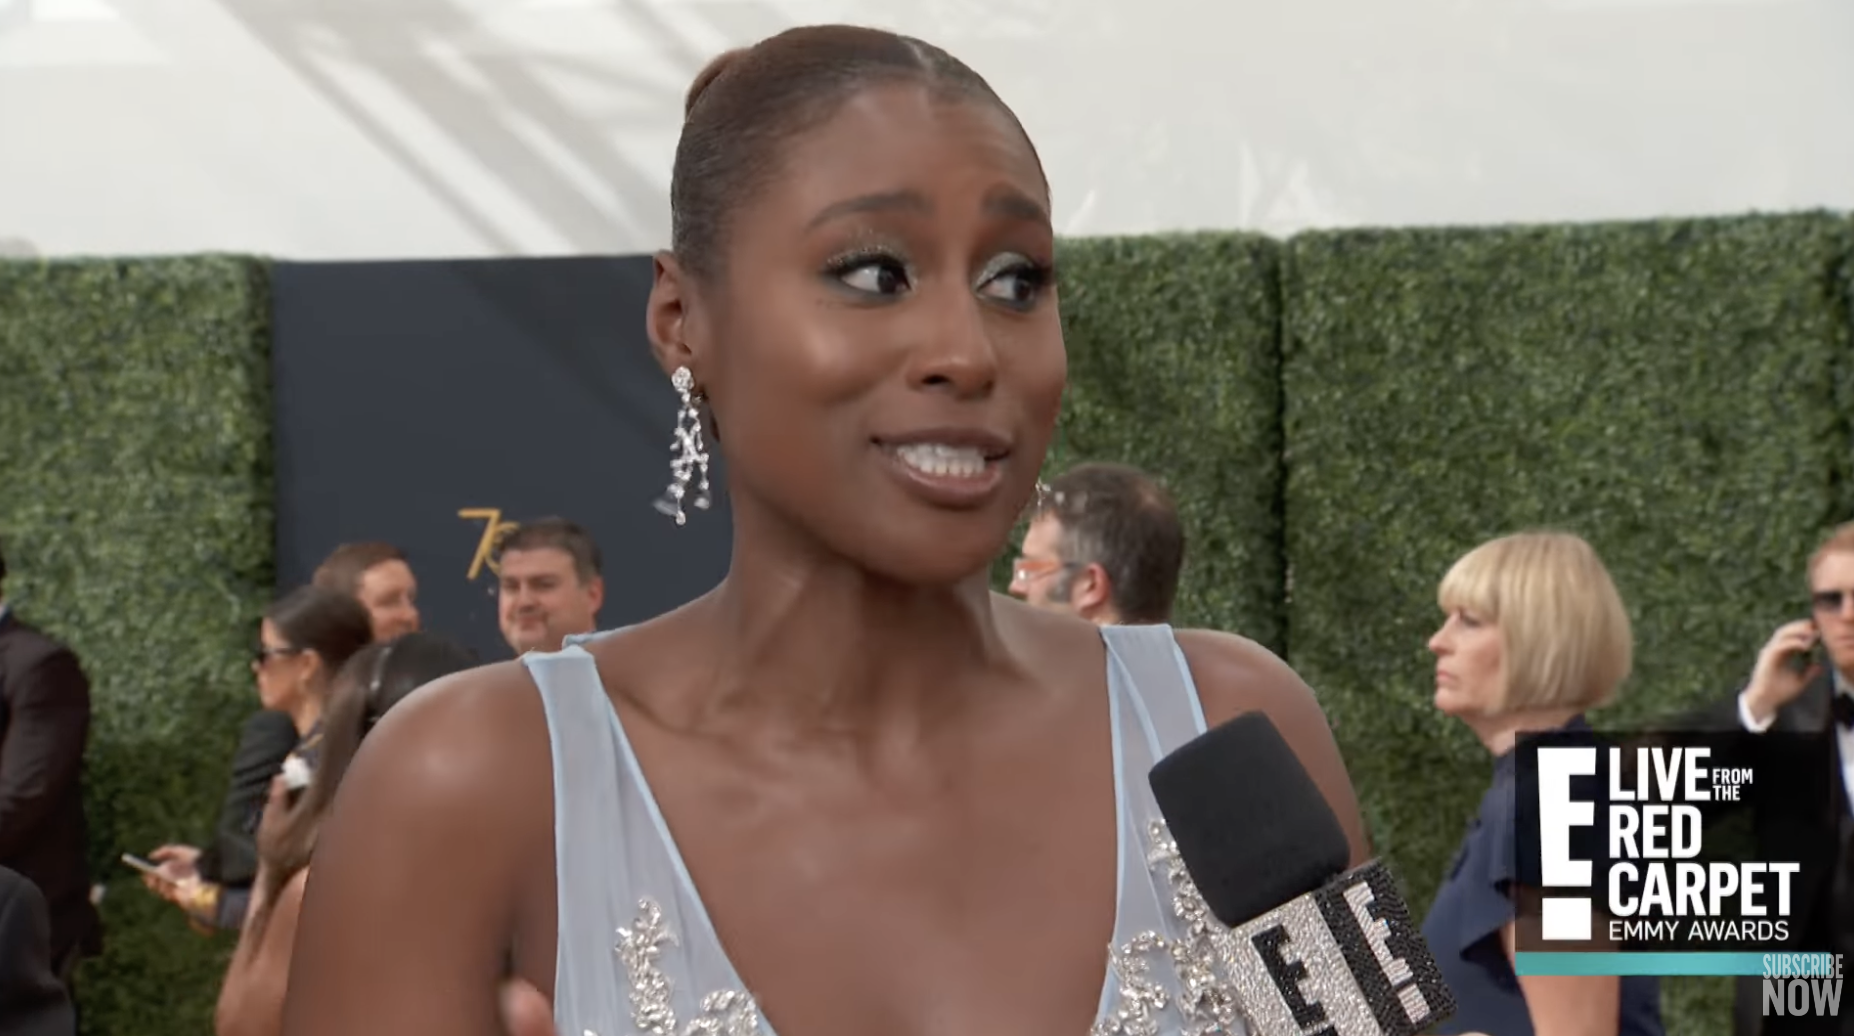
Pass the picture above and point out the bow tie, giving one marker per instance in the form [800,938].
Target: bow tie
[1843,708]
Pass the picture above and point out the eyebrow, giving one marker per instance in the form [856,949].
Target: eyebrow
[1011,203]
[908,201]
[1004,202]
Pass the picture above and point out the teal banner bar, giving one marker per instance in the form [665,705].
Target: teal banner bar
[1658,964]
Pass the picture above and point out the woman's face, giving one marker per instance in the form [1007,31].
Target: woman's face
[1470,675]
[285,672]
[882,351]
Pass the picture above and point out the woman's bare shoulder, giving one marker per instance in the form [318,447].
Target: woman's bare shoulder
[472,743]
[1236,675]
[440,843]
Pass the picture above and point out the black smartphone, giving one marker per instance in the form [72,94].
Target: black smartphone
[1800,661]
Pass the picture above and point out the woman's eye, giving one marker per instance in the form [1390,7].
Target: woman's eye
[875,276]
[1015,280]
[1018,286]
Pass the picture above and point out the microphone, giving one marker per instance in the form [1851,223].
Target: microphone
[1314,949]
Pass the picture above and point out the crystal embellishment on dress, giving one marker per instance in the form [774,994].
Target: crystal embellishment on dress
[1208,1002]
[653,1012]
[1142,1000]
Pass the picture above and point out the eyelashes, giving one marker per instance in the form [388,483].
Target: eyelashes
[871,271]
[1024,279]
[1010,279]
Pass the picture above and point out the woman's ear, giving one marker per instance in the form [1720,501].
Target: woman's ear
[667,317]
[313,666]
[678,328]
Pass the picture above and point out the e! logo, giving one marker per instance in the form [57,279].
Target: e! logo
[494,528]
[1384,955]
[1564,917]
[1272,945]
[1377,930]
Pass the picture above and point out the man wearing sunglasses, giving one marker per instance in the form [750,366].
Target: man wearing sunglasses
[1803,683]
[1104,543]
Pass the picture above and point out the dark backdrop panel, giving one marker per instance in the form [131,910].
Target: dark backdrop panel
[409,392]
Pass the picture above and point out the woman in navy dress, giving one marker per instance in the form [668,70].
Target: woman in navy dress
[1535,635]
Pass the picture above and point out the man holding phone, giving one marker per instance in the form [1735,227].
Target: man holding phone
[1803,683]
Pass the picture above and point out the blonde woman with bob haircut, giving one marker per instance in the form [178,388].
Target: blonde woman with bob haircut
[1534,635]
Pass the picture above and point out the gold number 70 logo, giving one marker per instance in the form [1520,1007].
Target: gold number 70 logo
[494,528]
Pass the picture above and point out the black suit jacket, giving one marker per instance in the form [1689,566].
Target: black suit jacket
[32,1000]
[44,724]
[1825,906]
[263,744]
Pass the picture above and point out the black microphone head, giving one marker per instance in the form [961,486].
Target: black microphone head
[1252,828]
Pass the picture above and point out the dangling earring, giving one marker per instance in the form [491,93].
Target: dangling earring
[688,456]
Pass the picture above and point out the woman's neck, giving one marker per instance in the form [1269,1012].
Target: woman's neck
[1500,733]
[305,712]
[815,644]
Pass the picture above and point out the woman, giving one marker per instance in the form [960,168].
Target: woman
[850,790]
[1535,636]
[251,1001]
[304,639]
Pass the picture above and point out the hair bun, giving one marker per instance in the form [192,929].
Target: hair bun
[706,77]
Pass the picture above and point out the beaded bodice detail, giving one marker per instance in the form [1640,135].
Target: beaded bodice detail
[638,955]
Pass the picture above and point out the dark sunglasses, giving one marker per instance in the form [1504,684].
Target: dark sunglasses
[265,654]
[1829,600]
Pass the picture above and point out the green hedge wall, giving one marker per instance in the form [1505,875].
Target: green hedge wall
[1173,367]
[1665,389]
[137,513]
[1340,415]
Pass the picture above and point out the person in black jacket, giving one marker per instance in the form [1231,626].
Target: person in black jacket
[305,637]
[33,1002]
[44,725]
[1802,687]
[213,883]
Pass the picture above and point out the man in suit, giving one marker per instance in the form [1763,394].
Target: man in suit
[32,1000]
[44,724]
[1795,689]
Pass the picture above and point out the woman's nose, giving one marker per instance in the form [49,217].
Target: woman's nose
[958,352]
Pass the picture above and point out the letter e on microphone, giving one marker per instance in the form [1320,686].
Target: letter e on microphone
[1342,961]
[1384,951]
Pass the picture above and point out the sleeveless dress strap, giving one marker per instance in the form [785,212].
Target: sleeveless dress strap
[637,951]
[1148,992]
[587,837]
[1160,681]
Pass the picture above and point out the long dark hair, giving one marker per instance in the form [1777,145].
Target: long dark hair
[373,681]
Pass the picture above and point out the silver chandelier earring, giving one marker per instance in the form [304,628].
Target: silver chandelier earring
[688,454]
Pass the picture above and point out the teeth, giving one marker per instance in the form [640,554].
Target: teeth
[943,461]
